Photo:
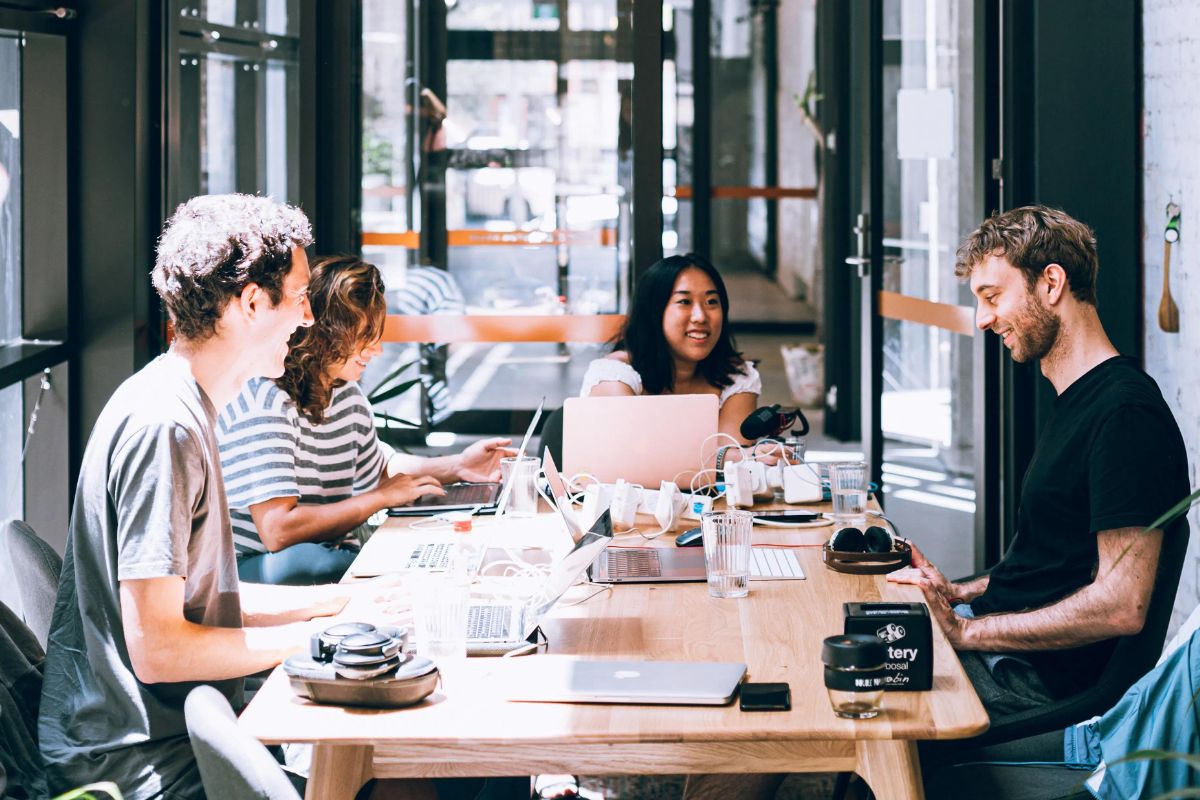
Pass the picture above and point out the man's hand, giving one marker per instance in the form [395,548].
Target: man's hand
[923,573]
[400,490]
[954,626]
[480,463]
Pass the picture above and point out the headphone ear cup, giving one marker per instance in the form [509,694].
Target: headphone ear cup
[877,539]
[848,540]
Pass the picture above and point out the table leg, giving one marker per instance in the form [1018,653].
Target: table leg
[891,768]
[338,771]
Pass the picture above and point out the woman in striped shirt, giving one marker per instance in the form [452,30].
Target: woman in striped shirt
[302,463]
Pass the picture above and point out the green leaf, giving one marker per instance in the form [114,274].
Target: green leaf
[1159,755]
[108,788]
[403,423]
[1173,513]
[390,377]
[395,391]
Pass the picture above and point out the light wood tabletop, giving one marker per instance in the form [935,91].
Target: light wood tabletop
[467,728]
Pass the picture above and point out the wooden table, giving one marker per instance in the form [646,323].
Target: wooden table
[468,729]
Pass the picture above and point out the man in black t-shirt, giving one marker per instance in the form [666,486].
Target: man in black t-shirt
[1108,463]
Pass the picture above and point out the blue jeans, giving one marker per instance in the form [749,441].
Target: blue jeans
[304,564]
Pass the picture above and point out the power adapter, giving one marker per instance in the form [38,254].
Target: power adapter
[598,496]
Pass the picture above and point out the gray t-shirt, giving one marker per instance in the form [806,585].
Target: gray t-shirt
[150,503]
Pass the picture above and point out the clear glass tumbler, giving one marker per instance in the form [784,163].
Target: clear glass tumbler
[522,495]
[848,490]
[440,603]
[727,552]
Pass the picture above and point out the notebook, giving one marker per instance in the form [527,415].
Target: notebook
[645,440]
[496,628]
[478,498]
[678,564]
[561,679]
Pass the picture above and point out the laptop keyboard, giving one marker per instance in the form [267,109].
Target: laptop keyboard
[434,557]
[463,494]
[489,623]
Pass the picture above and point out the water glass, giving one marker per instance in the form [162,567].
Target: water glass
[440,605]
[848,489]
[520,475]
[727,552]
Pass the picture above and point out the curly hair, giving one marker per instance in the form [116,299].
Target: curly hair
[213,246]
[1031,238]
[642,337]
[349,308]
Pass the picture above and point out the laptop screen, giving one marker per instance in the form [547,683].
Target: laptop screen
[567,569]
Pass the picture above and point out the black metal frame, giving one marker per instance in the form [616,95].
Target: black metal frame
[48,263]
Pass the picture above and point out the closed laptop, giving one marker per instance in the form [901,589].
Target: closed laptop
[562,679]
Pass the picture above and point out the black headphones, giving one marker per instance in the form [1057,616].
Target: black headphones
[874,551]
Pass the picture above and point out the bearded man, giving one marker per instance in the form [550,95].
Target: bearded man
[1110,460]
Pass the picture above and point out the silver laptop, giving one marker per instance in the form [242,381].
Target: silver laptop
[551,679]
[562,498]
[478,498]
[496,628]
[681,564]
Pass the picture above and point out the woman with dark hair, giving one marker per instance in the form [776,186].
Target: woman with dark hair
[676,340]
[303,465]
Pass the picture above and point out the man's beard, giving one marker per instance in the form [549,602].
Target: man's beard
[1036,331]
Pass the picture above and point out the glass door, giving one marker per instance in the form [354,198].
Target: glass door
[917,195]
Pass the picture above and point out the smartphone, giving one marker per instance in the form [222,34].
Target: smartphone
[766,697]
[787,515]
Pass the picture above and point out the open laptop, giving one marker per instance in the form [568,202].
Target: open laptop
[478,498]
[562,498]
[554,679]
[645,439]
[496,628]
[681,564]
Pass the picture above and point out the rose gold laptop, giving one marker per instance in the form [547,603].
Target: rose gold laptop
[644,439]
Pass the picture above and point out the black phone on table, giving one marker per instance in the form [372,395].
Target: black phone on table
[765,697]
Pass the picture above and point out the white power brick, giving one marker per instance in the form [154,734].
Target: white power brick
[598,497]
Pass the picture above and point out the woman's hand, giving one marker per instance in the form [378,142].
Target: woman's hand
[480,463]
[401,490]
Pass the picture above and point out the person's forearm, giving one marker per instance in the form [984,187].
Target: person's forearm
[444,468]
[264,604]
[191,652]
[1090,615]
[319,522]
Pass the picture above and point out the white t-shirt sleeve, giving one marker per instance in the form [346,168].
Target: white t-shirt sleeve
[748,380]
[610,369]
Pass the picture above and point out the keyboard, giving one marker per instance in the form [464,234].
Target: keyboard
[489,623]
[462,494]
[433,557]
[774,562]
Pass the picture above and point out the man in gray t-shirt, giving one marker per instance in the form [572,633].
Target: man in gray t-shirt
[149,603]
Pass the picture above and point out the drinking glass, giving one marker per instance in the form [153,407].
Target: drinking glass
[727,552]
[848,489]
[522,493]
[440,603]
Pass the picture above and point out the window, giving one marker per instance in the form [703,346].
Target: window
[233,99]
[35,349]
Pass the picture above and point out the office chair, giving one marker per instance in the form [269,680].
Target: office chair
[552,435]
[35,569]
[232,763]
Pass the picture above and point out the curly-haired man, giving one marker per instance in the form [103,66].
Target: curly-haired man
[149,603]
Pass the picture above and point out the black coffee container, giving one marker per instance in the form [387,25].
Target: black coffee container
[905,631]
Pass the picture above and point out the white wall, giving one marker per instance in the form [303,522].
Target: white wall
[1171,40]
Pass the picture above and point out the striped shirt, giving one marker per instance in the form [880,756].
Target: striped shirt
[269,449]
[429,290]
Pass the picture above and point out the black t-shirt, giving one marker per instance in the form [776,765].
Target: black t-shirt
[1111,456]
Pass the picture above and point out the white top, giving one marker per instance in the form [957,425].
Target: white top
[611,369]
[269,449]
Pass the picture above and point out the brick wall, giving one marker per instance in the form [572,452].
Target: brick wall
[1171,59]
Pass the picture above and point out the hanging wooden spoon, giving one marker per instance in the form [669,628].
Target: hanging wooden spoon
[1168,312]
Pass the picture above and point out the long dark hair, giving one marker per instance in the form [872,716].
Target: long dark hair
[642,337]
[348,306]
